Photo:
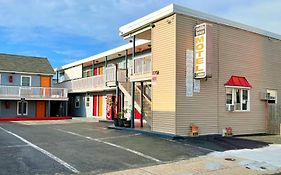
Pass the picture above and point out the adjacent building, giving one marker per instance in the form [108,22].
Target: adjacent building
[26,88]
[181,68]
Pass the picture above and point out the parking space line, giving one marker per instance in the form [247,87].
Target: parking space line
[186,144]
[60,161]
[14,146]
[114,145]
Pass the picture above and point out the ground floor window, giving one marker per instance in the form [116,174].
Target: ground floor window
[22,108]
[237,99]
[271,96]
[77,102]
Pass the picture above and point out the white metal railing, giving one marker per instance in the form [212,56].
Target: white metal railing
[110,74]
[32,92]
[85,84]
[142,65]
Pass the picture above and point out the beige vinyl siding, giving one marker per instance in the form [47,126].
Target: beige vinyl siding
[163,60]
[258,59]
[201,109]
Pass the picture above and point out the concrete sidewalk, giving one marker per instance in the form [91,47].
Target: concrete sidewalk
[204,165]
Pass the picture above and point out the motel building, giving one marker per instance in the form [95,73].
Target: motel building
[26,90]
[183,68]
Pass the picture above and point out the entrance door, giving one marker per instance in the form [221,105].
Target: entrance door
[40,109]
[88,105]
[45,82]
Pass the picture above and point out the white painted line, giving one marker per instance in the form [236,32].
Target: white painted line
[186,144]
[114,145]
[14,146]
[130,150]
[71,168]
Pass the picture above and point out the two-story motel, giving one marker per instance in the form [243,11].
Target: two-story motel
[184,67]
[26,88]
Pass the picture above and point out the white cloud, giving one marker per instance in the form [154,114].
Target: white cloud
[44,21]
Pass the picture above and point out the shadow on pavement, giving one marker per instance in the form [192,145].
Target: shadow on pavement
[219,143]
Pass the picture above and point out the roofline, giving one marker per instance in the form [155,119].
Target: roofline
[30,73]
[27,56]
[103,54]
[177,9]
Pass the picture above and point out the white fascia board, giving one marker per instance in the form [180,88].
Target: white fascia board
[104,54]
[146,20]
[174,8]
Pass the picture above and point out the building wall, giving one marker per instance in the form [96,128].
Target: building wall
[12,110]
[73,73]
[200,109]
[163,60]
[235,52]
[35,79]
[258,59]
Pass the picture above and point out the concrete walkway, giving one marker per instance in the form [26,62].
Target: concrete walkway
[197,166]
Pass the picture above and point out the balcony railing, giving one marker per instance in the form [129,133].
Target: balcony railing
[142,65]
[110,74]
[85,84]
[32,92]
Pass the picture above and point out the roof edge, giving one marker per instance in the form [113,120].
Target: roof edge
[178,9]
[103,54]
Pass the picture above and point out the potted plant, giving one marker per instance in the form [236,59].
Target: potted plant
[194,129]
[121,117]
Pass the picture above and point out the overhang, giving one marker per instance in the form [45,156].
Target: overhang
[237,81]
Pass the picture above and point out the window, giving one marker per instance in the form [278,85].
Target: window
[271,96]
[77,102]
[87,73]
[25,80]
[238,97]
[22,107]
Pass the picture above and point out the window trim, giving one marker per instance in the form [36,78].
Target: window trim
[18,103]
[241,97]
[29,80]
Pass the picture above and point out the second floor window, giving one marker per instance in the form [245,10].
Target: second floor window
[25,80]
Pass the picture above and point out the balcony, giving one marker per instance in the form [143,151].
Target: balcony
[142,68]
[32,93]
[88,84]
[110,75]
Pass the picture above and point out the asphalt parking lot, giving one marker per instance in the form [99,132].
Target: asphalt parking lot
[92,148]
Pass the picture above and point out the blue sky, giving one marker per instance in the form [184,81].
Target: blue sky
[68,30]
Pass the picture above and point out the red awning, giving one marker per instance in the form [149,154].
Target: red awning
[237,81]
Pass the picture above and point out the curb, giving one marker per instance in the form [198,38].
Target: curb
[33,119]
[149,133]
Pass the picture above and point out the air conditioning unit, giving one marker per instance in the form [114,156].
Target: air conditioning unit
[264,96]
[230,108]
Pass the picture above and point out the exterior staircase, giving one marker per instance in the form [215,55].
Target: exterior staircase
[126,89]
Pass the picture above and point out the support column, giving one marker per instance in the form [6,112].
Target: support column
[105,66]
[122,101]
[132,104]
[133,89]
[117,91]
[66,108]
[142,111]
[126,63]
[93,67]
[105,62]
[49,109]
[57,77]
